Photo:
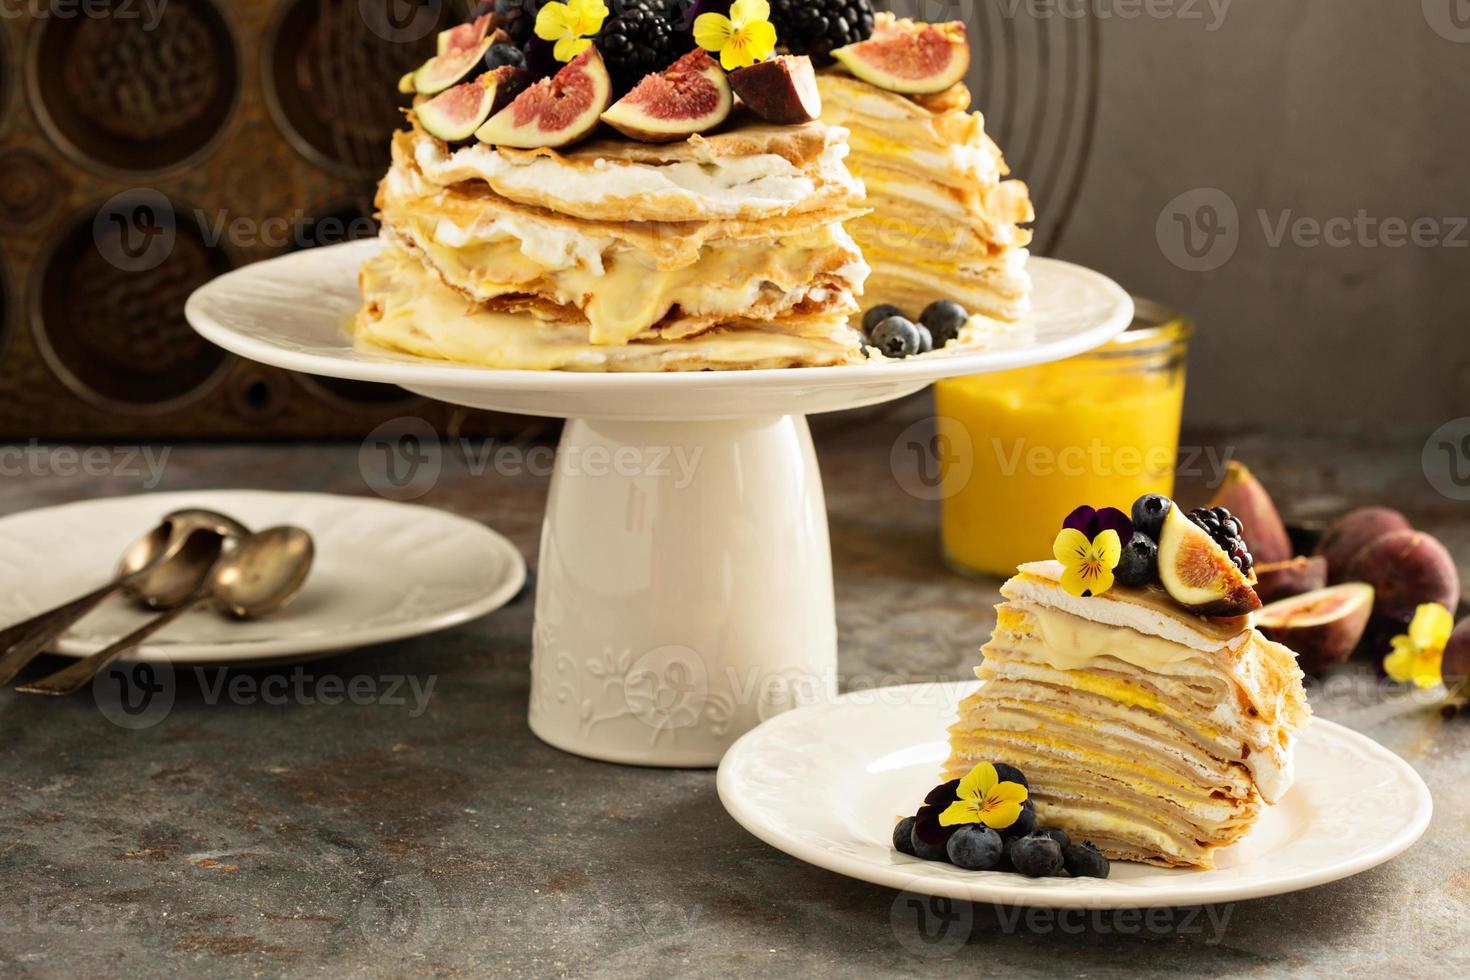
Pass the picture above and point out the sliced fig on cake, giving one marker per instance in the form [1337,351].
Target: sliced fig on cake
[454,115]
[910,58]
[1198,574]
[405,84]
[444,71]
[555,111]
[1322,627]
[690,96]
[466,35]
[782,90]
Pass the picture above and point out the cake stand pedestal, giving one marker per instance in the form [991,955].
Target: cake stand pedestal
[685,582]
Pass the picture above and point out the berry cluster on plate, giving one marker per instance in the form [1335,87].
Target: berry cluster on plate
[890,330]
[987,822]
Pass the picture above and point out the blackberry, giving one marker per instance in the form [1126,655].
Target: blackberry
[641,37]
[817,27]
[1228,532]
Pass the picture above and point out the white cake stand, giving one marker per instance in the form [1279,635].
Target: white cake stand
[685,582]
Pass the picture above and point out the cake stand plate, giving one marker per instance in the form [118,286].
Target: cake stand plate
[685,581]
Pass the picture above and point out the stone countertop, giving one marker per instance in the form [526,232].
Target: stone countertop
[426,830]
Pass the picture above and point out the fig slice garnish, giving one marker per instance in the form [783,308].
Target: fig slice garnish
[910,58]
[1198,574]
[556,111]
[782,90]
[691,96]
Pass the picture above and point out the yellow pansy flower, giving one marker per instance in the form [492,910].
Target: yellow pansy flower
[984,798]
[572,25]
[742,39]
[1418,655]
[1089,547]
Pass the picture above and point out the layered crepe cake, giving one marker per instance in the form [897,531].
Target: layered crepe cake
[1155,733]
[945,221]
[716,252]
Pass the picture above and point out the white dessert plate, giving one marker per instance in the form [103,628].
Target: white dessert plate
[825,784]
[383,571]
[293,312]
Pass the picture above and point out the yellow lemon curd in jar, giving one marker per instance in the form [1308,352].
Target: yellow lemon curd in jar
[1026,447]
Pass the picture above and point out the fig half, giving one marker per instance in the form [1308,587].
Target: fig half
[447,70]
[691,96]
[466,35]
[556,111]
[910,58]
[782,90]
[454,115]
[1197,573]
[1322,628]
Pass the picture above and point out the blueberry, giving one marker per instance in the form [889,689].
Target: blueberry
[877,315]
[1036,856]
[926,339]
[1057,834]
[903,836]
[505,54]
[1010,774]
[1085,861]
[944,318]
[976,848]
[929,852]
[1024,824]
[1149,512]
[1139,564]
[896,337]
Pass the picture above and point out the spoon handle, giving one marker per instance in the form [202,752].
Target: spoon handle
[23,642]
[71,679]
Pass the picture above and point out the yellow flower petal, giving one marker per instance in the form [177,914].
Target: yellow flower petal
[759,40]
[1008,792]
[1431,627]
[1399,665]
[744,12]
[1070,547]
[569,47]
[977,783]
[554,21]
[958,812]
[1000,816]
[587,16]
[713,31]
[1107,549]
[736,54]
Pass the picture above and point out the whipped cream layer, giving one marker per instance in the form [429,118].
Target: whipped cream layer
[707,185]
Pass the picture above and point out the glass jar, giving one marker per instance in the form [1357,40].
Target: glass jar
[1025,447]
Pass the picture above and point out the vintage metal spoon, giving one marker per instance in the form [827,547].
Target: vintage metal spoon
[260,575]
[162,569]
